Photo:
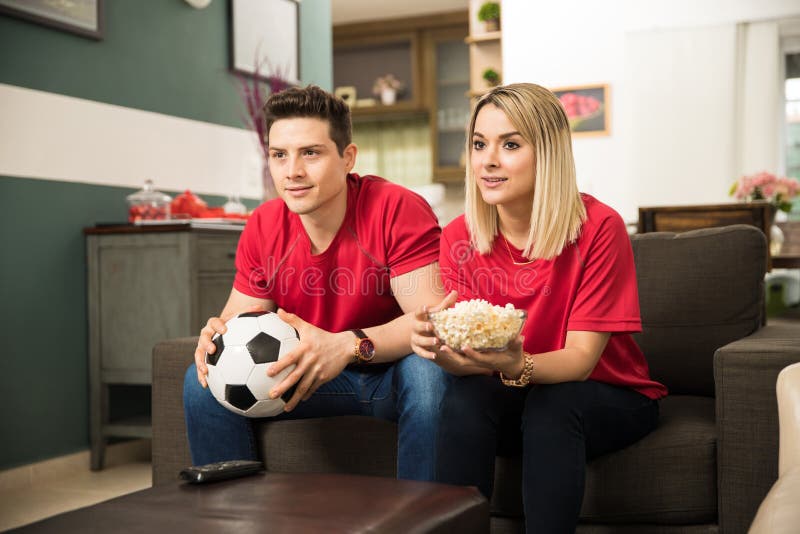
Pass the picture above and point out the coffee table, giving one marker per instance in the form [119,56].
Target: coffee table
[283,503]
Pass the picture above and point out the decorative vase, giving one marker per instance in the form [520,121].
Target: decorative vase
[388,96]
[776,239]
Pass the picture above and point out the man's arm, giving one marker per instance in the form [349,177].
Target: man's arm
[421,287]
[237,303]
[322,355]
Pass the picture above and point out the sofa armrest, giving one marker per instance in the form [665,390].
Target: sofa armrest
[170,445]
[745,372]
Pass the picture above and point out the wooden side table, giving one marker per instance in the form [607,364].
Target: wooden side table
[146,284]
[684,218]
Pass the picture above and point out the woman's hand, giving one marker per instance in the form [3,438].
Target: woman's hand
[423,341]
[470,361]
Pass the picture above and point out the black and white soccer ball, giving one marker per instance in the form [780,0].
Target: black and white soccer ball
[237,371]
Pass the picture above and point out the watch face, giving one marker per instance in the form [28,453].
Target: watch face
[367,349]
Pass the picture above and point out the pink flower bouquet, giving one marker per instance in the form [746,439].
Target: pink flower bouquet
[766,186]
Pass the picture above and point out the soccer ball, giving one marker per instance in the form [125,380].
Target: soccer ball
[237,371]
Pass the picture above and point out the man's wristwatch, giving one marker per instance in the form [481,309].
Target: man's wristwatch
[364,350]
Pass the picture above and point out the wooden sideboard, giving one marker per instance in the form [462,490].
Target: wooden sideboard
[146,284]
[685,218]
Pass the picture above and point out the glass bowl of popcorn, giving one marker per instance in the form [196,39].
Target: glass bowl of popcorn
[478,324]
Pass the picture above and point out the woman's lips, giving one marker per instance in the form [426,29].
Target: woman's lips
[493,181]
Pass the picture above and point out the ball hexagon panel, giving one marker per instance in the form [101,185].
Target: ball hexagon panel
[264,348]
[266,408]
[271,323]
[212,359]
[261,384]
[235,364]
[287,345]
[241,331]
[239,397]
[216,382]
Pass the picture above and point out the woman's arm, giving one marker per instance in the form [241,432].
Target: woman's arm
[574,363]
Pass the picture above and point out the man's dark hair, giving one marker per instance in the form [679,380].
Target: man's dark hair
[311,101]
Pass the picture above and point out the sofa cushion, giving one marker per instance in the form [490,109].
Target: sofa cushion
[694,307]
[668,477]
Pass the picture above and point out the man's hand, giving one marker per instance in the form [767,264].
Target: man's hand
[215,325]
[319,358]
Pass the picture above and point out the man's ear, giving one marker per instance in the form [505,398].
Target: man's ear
[349,156]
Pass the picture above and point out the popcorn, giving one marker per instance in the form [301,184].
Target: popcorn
[477,324]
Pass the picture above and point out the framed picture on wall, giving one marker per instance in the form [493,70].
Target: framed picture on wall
[82,17]
[265,39]
[587,107]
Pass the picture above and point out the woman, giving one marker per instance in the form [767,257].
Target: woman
[574,383]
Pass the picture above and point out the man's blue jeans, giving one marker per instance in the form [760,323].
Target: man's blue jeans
[408,392]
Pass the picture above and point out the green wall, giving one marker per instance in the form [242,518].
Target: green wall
[157,55]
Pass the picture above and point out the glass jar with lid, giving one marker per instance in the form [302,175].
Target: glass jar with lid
[148,204]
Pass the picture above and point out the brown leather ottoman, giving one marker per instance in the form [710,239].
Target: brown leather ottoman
[283,502]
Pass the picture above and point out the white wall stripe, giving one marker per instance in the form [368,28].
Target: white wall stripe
[50,136]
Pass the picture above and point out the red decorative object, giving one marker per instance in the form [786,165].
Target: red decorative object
[188,205]
[144,212]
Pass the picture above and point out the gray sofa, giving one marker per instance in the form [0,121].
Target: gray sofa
[705,468]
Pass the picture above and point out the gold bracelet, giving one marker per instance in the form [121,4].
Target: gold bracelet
[525,378]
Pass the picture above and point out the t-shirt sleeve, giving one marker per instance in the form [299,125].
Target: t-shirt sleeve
[607,299]
[413,234]
[250,276]
[454,258]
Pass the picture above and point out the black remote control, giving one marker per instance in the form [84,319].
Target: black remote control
[198,474]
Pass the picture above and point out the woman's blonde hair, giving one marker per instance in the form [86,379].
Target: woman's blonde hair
[558,211]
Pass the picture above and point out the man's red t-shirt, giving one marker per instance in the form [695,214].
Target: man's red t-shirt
[590,286]
[387,231]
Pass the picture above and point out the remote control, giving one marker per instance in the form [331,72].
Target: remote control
[198,474]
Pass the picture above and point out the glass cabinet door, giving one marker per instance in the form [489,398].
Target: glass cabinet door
[451,106]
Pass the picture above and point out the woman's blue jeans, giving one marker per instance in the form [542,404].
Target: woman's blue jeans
[408,391]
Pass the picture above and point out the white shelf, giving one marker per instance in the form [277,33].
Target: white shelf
[484,37]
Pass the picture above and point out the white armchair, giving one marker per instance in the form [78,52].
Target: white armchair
[779,512]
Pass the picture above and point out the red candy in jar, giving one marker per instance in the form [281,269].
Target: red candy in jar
[148,205]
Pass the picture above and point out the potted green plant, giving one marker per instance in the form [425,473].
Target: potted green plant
[492,77]
[489,14]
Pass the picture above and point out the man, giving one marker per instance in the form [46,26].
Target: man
[345,260]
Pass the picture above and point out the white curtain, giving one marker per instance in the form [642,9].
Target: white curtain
[399,151]
[760,98]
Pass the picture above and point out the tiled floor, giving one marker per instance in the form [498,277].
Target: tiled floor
[76,489]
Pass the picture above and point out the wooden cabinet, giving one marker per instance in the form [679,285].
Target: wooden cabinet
[146,284]
[429,55]
[360,59]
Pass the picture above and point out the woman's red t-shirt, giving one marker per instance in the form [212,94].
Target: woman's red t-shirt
[590,286]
